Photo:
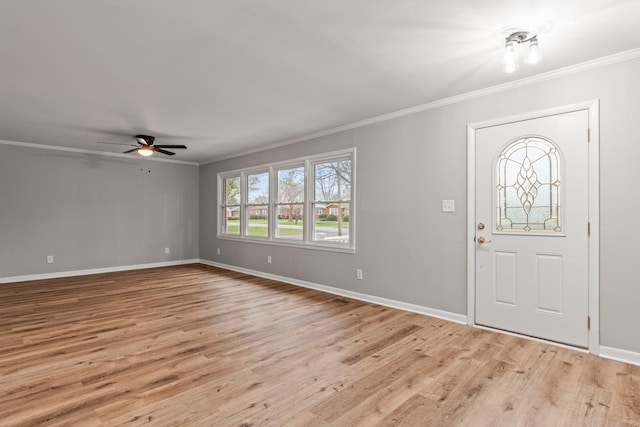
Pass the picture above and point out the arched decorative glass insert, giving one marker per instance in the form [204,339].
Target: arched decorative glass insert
[529,187]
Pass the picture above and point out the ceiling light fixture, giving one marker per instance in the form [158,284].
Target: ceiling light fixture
[145,151]
[510,61]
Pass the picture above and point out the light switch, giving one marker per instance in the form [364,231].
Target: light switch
[448,206]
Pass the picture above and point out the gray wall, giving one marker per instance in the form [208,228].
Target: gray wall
[413,162]
[93,211]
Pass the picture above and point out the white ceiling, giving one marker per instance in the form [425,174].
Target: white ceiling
[226,77]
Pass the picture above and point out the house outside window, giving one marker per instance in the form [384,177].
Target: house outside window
[290,188]
[332,192]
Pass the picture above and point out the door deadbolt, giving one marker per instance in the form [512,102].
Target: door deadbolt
[480,226]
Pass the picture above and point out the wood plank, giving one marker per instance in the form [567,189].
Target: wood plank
[198,345]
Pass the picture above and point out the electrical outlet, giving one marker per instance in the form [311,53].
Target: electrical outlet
[269,259]
[359,274]
[167,250]
[218,251]
[49,259]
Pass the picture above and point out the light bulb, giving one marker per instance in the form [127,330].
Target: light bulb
[145,151]
[534,56]
[510,58]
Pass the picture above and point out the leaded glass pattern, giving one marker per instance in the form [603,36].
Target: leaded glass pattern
[529,187]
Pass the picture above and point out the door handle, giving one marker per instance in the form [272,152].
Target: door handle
[483,240]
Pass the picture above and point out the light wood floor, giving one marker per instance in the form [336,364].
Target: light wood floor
[196,345]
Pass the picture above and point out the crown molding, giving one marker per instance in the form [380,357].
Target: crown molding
[526,81]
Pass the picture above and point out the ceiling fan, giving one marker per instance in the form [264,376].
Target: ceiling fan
[146,147]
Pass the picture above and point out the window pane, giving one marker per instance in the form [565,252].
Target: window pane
[290,221]
[290,203]
[332,186]
[333,180]
[231,220]
[258,221]
[231,188]
[529,187]
[330,227]
[291,185]
[258,188]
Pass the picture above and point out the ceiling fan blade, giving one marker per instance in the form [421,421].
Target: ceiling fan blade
[130,151]
[116,143]
[160,150]
[170,146]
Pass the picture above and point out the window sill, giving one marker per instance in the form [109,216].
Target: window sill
[292,244]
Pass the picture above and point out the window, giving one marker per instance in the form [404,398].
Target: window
[332,191]
[528,187]
[230,208]
[290,204]
[302,202]
[257,206]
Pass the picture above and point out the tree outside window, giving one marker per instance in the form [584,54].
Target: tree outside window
[332,189]
[290,204]
[257,204]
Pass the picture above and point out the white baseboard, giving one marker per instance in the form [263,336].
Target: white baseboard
[440,314]
[59,274]
[620,355]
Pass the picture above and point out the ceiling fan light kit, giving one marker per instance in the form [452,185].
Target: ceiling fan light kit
[144,151]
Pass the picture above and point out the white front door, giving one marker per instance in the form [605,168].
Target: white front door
[531,221]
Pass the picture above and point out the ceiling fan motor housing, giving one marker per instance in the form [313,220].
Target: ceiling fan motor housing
[145,139]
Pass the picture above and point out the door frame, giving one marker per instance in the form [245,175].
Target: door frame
[593,107]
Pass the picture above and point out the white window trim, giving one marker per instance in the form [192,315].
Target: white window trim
[296,163]
[221,178]
[244,182]
[307,241]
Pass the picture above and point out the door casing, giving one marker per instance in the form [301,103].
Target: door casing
[594,209]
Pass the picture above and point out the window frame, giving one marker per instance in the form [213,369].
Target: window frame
[244,200]
[276,199]
[222,207]
[313,201]
[308,218]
